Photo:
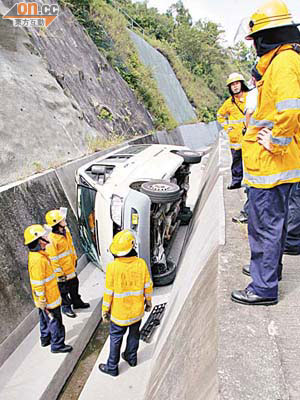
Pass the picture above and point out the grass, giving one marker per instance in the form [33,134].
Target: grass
[200,96]
[108,29]
[96,144]
[37,167]
[106,114]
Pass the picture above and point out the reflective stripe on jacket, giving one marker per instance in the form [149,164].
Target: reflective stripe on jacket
[127,285]
[62,254]
[278,109]
[233,120]
[42,279]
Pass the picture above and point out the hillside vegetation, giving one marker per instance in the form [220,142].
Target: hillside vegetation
[195,51]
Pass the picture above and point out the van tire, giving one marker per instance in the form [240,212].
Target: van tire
[161,191]
[189,156]
[164,278]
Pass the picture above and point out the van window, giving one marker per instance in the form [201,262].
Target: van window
[86,219]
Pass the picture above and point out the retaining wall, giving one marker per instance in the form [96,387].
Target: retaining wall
[23,205]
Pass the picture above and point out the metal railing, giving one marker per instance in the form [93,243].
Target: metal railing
[132,23]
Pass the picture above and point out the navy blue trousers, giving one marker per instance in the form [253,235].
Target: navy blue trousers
[293,229]
[245,209]
[69,293]
[267,222]
[236,166]
[116,333]
[52,329]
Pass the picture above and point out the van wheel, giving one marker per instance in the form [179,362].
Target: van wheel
[160,191]
[162,274]
[189,156]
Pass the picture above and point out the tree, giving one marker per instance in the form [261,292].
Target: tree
[199,48]
[243,56]
[161,26]
[181,14]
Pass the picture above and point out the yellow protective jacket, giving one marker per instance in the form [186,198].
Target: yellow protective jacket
[233,120]
[278,109]
[42,279]
[62,254]
[127,285]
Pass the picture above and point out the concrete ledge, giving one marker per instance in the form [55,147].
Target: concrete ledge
[17,336]
[33,372]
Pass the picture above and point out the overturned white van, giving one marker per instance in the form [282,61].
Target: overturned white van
[139,187]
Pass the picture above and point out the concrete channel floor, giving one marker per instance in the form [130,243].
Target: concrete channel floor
[131,382]
[259,346]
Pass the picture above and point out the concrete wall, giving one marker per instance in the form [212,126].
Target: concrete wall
[23,205]
[54,84]
[198,135]
[184,364]
[194,136]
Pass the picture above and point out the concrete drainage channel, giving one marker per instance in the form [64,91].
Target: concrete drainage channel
[31,199]
[168,366]
[77,380]
[88,361]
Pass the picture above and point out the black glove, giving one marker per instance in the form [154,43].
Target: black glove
[61,278]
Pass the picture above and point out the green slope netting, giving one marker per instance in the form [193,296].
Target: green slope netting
[167,82]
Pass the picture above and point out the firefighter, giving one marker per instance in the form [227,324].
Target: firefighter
[271,148]
[45,291]
[91,222]
[250,107]
[128,287]
[63,258]
[231,116]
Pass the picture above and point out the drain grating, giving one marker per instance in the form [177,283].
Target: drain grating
[152,322]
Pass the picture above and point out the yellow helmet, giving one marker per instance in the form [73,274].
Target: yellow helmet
[54,217]
[272,14]
[234,77]
[34,232]
[123,242]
